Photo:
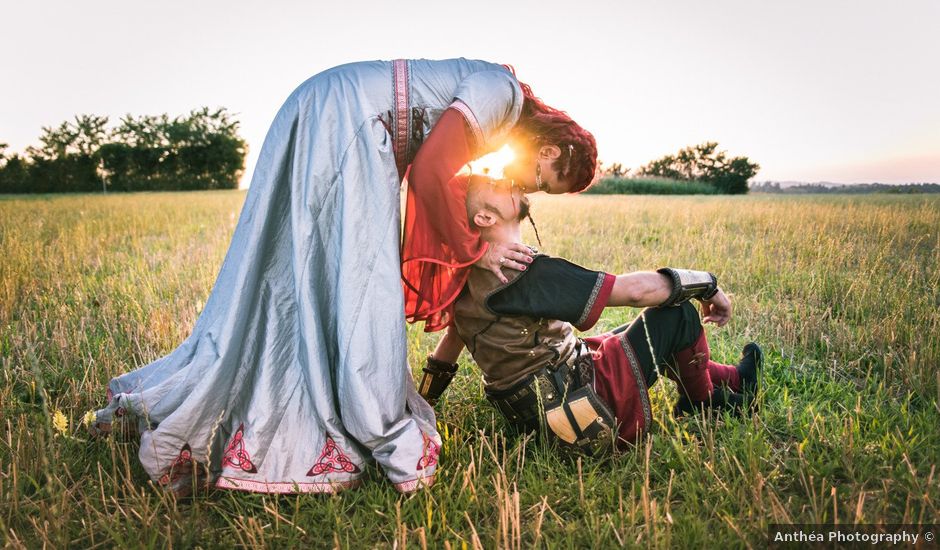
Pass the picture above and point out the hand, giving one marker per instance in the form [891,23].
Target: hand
[717,309]
[498,255]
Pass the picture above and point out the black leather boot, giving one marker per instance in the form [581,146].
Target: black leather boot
[752,361]
[721,399]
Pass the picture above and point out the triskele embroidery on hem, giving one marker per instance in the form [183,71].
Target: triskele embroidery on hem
[332,459]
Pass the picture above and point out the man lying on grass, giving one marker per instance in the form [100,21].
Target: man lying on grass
[586,392]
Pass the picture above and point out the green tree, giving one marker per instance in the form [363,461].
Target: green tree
[68,159]
[14,175]
[201,150]
[132,159]
[704,162]
[14,172]
[616,170]
[83,137]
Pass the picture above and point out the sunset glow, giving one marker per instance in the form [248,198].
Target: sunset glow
[812,91]
[492,164]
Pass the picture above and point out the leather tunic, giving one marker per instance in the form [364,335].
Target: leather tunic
[507,347]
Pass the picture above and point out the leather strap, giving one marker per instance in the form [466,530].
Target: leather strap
[402,115]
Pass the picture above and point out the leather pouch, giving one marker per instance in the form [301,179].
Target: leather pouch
[583,422]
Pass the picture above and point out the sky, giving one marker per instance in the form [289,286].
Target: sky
[838,91]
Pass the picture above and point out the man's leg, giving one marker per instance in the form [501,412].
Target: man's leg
[674,340]
[658,335]
[691,361]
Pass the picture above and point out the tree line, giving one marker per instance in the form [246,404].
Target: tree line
[201,150]
[853,188]
[702,163]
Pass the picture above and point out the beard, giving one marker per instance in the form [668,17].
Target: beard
[523,208]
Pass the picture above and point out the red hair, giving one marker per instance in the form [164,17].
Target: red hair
[549,126]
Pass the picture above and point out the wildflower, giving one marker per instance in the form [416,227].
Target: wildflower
[443,431]
[88,418]
[60,422]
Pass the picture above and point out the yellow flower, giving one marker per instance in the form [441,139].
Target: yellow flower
[60,422]
[88,418]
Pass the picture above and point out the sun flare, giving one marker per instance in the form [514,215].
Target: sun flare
[492,164]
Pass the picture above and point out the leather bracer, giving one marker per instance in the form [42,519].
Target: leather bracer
[688,284]
[436,378]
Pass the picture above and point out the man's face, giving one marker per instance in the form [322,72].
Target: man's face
[507,201]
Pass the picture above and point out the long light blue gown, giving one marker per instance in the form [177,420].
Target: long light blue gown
[296,374]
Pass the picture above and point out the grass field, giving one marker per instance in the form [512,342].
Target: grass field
[843,292]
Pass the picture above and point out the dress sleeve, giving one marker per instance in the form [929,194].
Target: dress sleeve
[553,288]
[438,245]
[491,102]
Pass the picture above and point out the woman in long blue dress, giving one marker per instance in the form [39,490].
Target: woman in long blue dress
[296,375]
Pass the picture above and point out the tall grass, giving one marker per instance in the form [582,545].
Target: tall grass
[841,291]
[650,186]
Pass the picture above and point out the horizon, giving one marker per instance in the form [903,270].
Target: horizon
[839,184]
[836,93]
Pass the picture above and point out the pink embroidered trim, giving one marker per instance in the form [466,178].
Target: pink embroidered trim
[414,484]
[429,454]
[284,487]
[236,456]
[400,70]
[464,109]
[181,466]
[634,363]
[332,459]
[597,301]
[108,394]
